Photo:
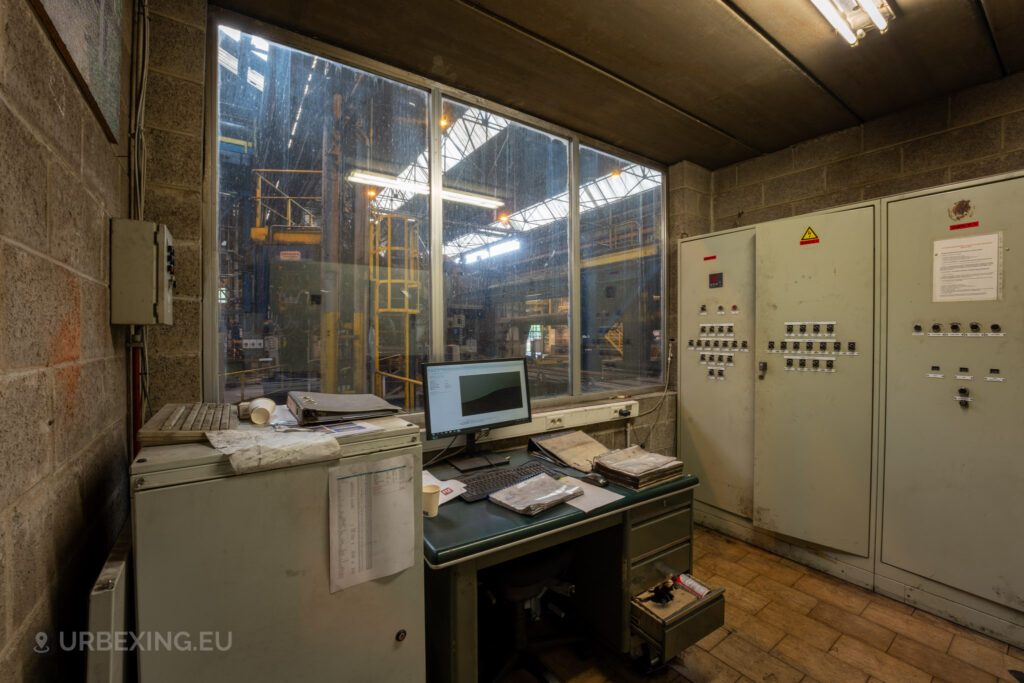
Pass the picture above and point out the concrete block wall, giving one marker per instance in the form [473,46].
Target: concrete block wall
[971,134]
[63,367]
[689,214]
[174,188]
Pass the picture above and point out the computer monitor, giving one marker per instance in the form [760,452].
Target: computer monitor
[464,397]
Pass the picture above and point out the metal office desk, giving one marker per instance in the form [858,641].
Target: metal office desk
[626,546]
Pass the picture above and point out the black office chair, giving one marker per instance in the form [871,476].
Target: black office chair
[523,582]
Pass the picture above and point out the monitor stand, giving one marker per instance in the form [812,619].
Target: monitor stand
[472,459]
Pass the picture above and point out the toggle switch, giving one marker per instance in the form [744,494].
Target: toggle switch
[852,346]
[817,328]
[836,346]
[917,327]
[783,345]
[830,327]
[995,327]
[734,343]
[809,345]
[789,362]
[815,363]
[975,327]
[963,391]
[830,364]
[954,327]
[936,327]
[771,345]
[803,362]
[789,328]
[721,373]
[744,343]
[822,346]
[803,328]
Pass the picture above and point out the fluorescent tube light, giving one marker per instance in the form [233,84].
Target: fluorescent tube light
[472,199]
[871,8]
[829,11]
[380,180]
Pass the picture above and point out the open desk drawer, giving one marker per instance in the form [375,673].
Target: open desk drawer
[672,628]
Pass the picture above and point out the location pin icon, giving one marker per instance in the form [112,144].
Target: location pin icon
[41,646]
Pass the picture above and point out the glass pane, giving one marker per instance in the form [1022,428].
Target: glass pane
[506,240]
[322,225]
[620,272]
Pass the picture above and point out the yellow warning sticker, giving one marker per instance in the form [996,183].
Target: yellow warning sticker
[809,234]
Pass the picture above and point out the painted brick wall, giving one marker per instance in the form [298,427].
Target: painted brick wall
[974,133]
[63,374]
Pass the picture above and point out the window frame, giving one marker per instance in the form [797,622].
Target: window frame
[437,93]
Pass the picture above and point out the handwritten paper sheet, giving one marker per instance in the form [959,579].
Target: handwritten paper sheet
[372,524]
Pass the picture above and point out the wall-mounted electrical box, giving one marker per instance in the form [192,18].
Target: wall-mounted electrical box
[141,273]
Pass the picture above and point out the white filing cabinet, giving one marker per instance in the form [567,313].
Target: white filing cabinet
[244,559]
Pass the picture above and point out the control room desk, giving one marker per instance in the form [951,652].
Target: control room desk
[626,547]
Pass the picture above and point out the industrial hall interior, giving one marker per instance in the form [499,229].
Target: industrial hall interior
[494,340]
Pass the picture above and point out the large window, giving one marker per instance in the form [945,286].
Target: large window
[506,277]
[620,272]
[322,225]
[324,234]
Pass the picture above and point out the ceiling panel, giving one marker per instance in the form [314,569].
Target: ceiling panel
[932,48]
[457,45]
[1006,18]
[699,55]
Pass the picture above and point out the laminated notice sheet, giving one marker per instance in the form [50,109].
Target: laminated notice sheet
[372,524]
[967,269]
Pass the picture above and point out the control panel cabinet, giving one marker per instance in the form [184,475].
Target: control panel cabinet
[716,341]
[953,497]
[142,280]
[813,392]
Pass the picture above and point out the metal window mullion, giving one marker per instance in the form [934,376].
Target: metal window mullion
[435,164]
[575,312]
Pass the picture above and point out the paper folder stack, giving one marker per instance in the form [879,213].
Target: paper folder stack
[637,469]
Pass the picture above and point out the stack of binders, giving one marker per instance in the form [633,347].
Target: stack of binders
[637,469]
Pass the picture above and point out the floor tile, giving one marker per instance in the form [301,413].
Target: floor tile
[839,593]
[815,662]
[750,661]
[996,663]
[937,663]
[875,662]
[807,629]
[909,625]
[796,600]
[699,666]
[873,634]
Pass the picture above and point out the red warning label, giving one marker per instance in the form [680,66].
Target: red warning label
[809,236]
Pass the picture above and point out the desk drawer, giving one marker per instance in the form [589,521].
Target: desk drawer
[655,569]
[660,506]
[672,635]
[659,531]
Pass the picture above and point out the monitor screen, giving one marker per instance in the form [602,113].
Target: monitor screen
[463,397]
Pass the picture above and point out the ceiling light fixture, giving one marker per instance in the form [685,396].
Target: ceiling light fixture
[854,18]
[380,180]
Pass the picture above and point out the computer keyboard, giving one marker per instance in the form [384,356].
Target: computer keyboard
[481,485]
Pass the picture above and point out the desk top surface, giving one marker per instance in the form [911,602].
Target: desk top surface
[463,529]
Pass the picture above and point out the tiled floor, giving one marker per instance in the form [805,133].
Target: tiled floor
[786,622]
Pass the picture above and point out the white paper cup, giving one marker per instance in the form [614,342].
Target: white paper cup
[260,410]
[431,499]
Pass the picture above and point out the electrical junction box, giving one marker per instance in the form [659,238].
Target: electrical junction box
[142,278]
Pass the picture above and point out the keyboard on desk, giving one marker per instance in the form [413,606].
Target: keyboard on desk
[481,485]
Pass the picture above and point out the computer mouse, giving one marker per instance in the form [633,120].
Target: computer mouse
[595,479]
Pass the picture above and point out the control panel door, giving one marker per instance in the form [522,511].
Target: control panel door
[716,342]
[953,496]
[813,392]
